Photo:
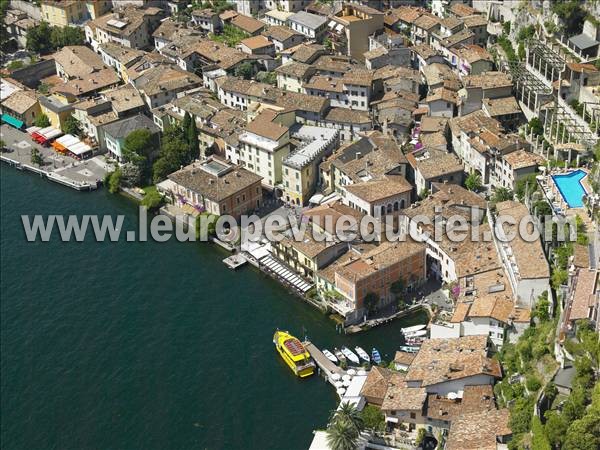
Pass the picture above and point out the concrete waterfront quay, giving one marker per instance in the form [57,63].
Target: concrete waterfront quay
[82,175]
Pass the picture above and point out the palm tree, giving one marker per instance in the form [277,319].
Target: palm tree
[341,435]
[349,413]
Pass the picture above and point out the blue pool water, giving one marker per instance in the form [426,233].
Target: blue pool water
[571,188]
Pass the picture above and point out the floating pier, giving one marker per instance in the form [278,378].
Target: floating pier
[235,261]
[327,367]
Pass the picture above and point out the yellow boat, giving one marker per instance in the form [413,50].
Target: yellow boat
[294,354]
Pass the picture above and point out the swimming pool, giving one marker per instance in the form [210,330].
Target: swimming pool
[570,187]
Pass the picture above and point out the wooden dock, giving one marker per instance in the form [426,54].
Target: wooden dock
[327,367]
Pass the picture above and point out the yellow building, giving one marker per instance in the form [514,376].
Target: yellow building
[57,108]
[97,8]
[61,13]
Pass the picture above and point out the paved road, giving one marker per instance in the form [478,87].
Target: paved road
[20,146]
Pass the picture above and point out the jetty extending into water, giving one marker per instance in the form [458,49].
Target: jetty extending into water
[327,367]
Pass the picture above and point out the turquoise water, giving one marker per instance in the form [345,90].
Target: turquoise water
[571,188]
[147,345]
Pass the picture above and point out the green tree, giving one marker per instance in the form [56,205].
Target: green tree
[139,148]
[535,125]
[540,440]
[424,194]
[542,309]
[42,121]
[38,39]
[373,418]
[341,435]
[584,434]
[114,181]
[244,70]
[36,157]
[131,174]
[187,120]
[61,37]
[526,184]
[174,153]
[192,139]
[350,413]
[502,194]
[152,200]
[71,126]
[473,182]
[571,13]
[555,428]
[520,415]
[420,436]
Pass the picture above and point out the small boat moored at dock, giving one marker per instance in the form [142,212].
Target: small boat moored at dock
[415,333]
[294,354]
[409,349]
[362,354]
[350,355]
[376,356]
[330,356]
[340,356]
[413,328]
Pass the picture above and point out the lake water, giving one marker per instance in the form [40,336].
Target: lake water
[147,345]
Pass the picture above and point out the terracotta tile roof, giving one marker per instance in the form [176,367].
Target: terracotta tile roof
[216,188]
[473,53]
[425,51]
[308,246]
[408,14]
[462,10]
[265,126]
[457,38]
[585,295]
[436,165]
[295,69]
[433,124]
[380,257]
[475,21]
[478,430]
[529,256]
[441,360]
[501,106]
[492,305]
[443,94]
[373,191]
[488,80]
[520,159]
[404,358]
[581,255]
[20,101]
[376,384]
[279,33]
[460,312]
[247,23]
[427,21]
[401,397]
[327,215]
[256,42]
[345,115]
[327,84]
[475,399]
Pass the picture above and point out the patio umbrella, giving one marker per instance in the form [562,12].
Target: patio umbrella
[351,372]
[338,384]
[362,372]
[336,376]
[341,391]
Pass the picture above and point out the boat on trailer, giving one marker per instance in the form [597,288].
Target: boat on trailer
[413,328]
[363,355]
[376,356]
[350,355]
[330,356]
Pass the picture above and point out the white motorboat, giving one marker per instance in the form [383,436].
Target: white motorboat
[411,329]
[339,355]
[330,356]
[409,349]
[350,355]
[413,334]
[364,355]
